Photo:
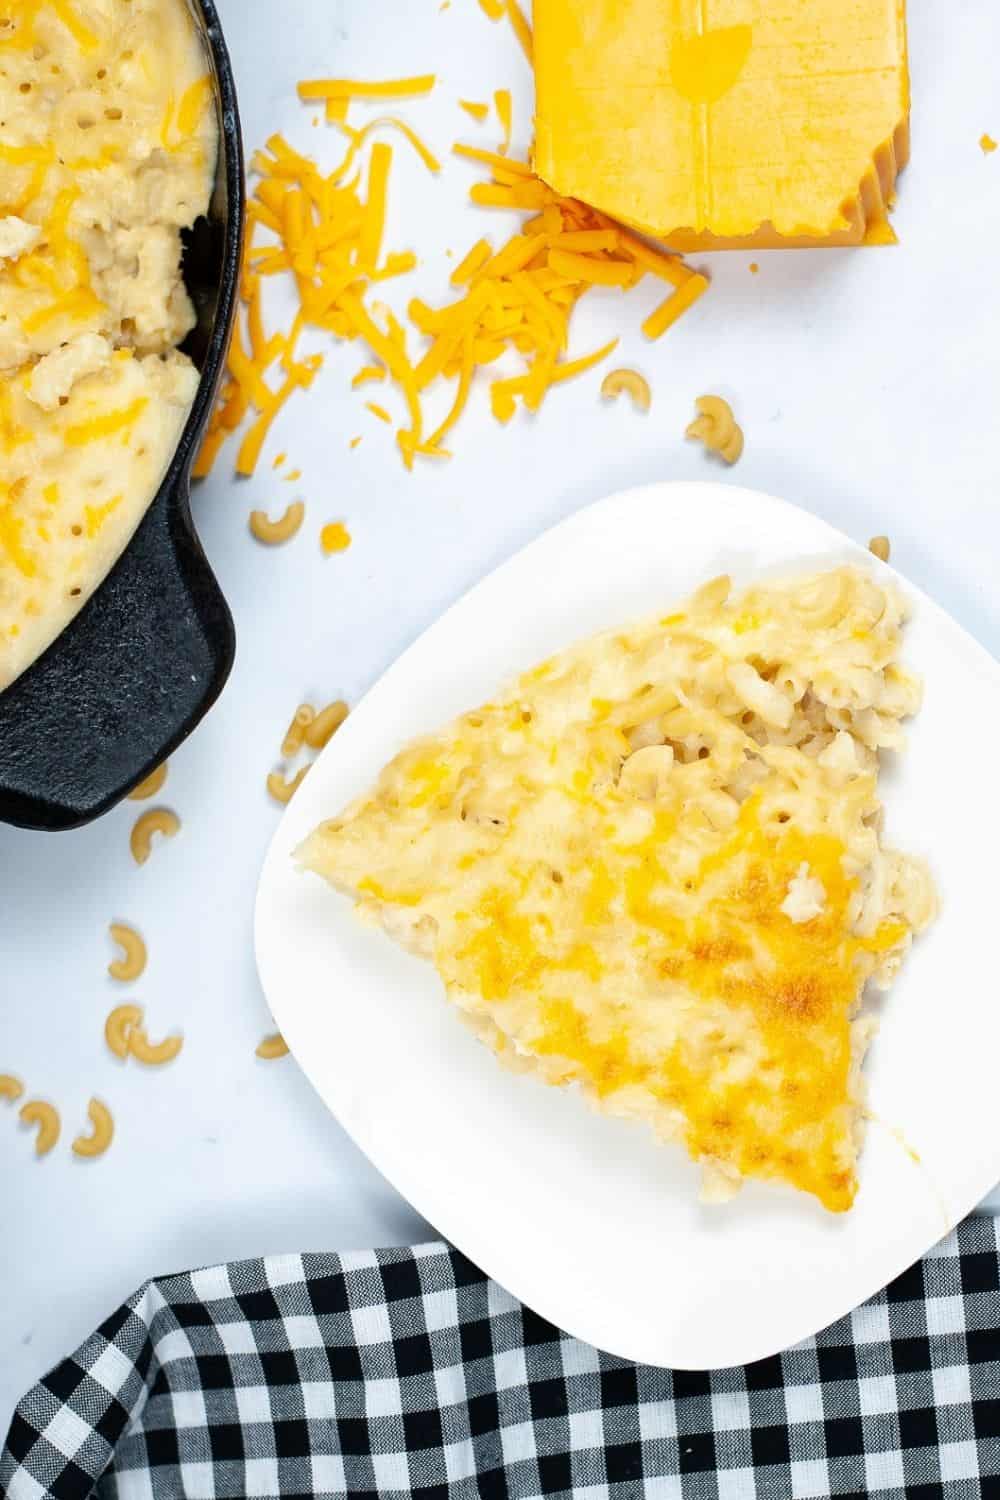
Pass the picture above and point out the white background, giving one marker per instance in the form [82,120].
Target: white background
[867,383]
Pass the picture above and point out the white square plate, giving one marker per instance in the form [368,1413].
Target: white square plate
[585,1219]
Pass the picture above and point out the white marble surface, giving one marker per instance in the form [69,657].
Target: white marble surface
[867,384]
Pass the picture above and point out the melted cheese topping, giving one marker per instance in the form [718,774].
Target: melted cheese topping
[600,863]
[108,150]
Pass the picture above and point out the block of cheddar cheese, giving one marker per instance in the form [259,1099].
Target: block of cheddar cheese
[726,124]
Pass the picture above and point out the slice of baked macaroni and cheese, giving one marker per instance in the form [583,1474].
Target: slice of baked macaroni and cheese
[653,868]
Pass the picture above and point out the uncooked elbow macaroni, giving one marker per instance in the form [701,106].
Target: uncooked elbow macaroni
[153,1054]
[283,790]
[273,1047]
[274,533]
[118,1028]
[42,1117]
[126,1037]
[160,820]
[101,1133]
[152,784]
[630,381]
[11,1088]
[133,961]
[325,725]
[296,732]
[716,427]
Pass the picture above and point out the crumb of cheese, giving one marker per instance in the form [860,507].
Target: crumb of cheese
[335,538]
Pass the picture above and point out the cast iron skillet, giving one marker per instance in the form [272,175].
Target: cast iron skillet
[149,653]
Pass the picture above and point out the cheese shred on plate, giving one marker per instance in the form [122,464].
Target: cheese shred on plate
[325,233]
[652,868]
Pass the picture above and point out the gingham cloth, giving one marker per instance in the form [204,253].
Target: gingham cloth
[408,1372]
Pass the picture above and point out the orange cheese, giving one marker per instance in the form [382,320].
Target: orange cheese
[719,124]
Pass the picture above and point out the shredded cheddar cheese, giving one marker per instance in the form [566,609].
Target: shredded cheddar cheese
[496,10]
[106,425]
[347,88]
[327,232]
[504,110]
[522,30]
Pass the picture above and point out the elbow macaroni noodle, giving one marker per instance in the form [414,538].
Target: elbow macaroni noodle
[631,381]
[152,784]
[118,1028]
[716,427]
[307,728]
[126,1037]
[102,1132]
[43,1117]
[880,547]
[296,732]
[283,790]
[274,533]
[153,1054]
[159,820]
[11,1088]
[273,1047]
[133,962]
[325,725]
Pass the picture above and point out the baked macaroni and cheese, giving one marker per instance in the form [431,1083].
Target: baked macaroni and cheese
[653,868]
[107,150]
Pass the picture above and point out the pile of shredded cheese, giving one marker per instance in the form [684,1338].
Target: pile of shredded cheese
[327,232]
[328,236]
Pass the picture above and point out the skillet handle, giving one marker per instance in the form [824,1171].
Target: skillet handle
[139,666]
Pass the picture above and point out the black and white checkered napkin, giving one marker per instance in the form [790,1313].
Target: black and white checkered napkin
[407,1372]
